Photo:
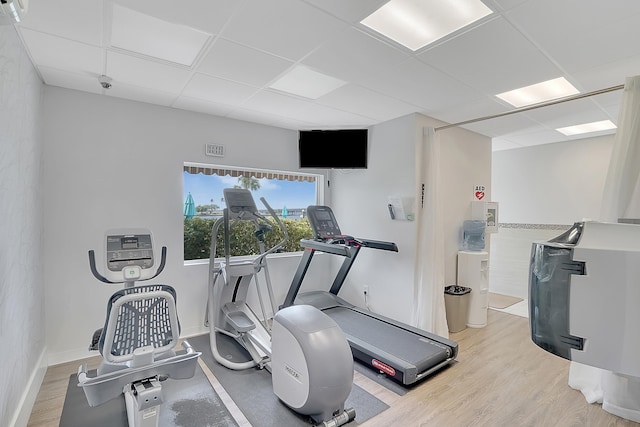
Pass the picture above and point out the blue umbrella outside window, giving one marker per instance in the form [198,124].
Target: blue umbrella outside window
[284,212]
[189,207]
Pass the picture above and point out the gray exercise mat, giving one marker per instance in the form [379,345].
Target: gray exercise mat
[187,403]
[252,390]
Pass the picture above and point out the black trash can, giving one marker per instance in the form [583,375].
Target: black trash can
[456,301]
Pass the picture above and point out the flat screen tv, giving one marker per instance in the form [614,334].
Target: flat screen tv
[333,149]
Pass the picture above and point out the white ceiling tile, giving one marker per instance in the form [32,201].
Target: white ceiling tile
[63,54]
[277,103]
[324,117]
[503,125]
[217,90]
[266,118]
[65,79]
[80,20]
[611,99]
[352,11]
[613,111]
[141,94]
[206,15]
[581,34]
[539,137]
[355,56]
[242,64]
[150,74]
[145,34]
[302,111]
[307,83]
[507,4]
[287,28]
[500,145]
[608,75]
[419,84]
[365,102]
[202,106]
[493,56]
[568,114]
[470,109]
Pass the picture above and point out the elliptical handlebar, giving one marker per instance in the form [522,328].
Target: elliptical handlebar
[280,224]
[226,220]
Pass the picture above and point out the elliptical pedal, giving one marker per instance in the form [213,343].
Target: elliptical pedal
[237,318]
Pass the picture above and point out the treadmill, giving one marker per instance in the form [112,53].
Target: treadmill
[402,352]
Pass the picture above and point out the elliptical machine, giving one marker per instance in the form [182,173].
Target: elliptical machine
[306,352]
[140,333]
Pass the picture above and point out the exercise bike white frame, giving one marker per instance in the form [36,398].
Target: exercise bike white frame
[136,375]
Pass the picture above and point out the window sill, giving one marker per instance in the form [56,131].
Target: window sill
[241,258]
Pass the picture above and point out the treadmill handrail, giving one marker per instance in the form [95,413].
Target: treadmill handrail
[348,251]
[379,244]
[330,248]
[344,250]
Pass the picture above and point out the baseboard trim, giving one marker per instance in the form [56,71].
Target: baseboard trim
[28,399]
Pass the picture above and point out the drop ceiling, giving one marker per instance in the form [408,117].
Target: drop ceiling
[221,57]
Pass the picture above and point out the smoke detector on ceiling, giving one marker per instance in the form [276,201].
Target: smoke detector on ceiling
[13,11]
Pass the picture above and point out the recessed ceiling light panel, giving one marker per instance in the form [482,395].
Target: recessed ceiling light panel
[305,82]
[415,24]
[539,92]
[587,128]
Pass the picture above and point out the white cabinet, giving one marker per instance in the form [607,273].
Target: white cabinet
[473,272]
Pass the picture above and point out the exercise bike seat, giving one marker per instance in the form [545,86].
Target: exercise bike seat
[137,343]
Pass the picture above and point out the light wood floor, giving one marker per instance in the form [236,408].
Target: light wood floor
[501,379]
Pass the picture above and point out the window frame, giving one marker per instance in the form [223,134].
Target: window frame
[318,177]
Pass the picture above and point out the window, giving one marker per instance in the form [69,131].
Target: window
[288,193]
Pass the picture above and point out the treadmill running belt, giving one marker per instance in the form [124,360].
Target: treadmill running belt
[399,342]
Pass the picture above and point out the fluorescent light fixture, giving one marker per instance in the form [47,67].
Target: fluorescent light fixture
[587,128]
[145,34]
[14,12]
[539,92]
[415,24]
[305,82]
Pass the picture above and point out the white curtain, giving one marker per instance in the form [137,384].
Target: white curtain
[621,197]
[618,394]
[429,311]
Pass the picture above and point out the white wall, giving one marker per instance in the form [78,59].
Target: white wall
[552,183]
[542,190]
[360,199]
[116,163]
[22,358]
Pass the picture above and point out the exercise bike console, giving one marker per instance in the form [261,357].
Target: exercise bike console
[129,257]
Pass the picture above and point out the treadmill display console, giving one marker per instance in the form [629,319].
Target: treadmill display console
[323,222]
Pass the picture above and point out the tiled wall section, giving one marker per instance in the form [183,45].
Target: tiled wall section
[510,255]
[21,278]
